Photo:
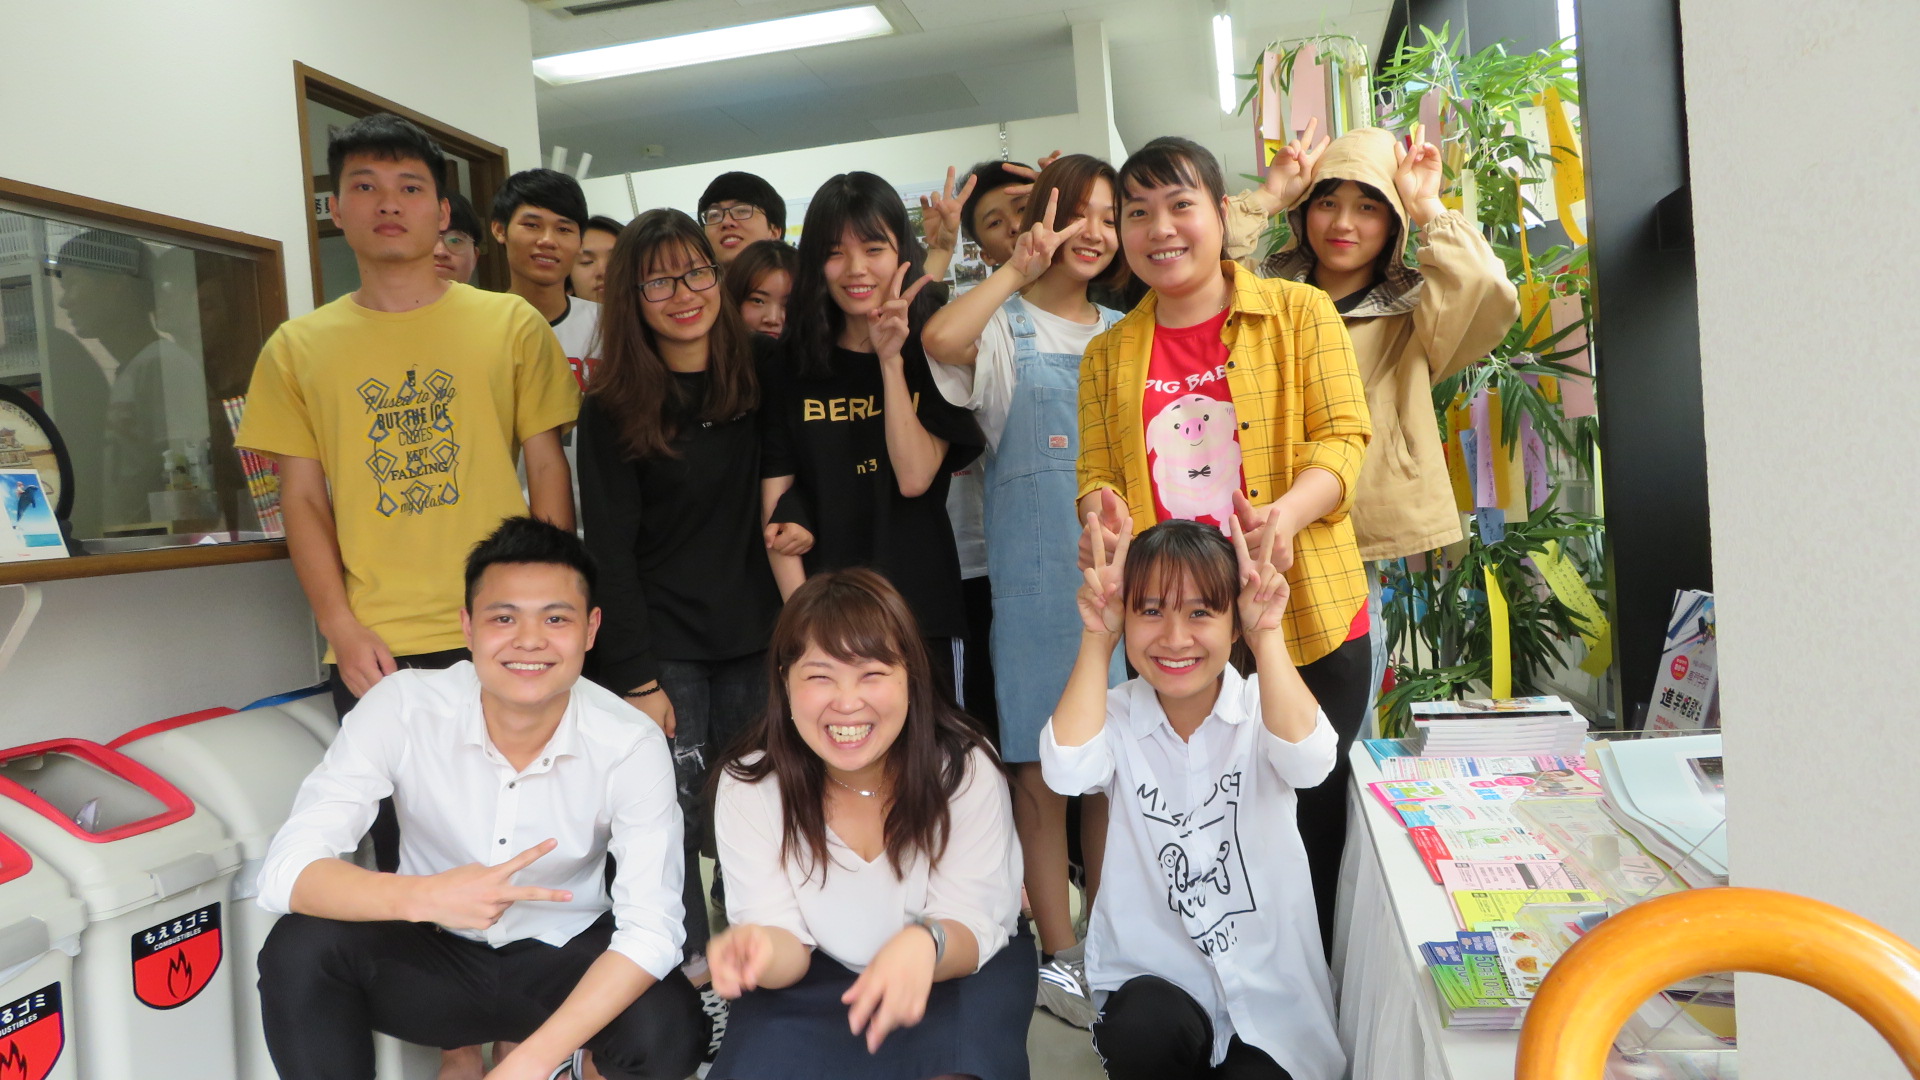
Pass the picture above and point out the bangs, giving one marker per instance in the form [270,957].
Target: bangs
[1171,161]
[849,619]
[657,260]
[1178,562]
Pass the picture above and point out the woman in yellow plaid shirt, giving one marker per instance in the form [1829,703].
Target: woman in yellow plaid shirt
[1224,394]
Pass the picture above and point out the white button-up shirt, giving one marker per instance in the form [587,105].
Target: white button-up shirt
[602,786]
[861,905]
[1205,881]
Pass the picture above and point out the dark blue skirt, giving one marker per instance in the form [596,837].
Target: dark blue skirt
[974,1026]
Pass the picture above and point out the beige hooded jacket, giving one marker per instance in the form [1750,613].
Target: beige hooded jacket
[1415,328]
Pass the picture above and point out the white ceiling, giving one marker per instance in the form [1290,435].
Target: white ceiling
[954,63]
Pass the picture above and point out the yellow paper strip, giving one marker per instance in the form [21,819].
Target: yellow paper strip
[1564,579]
[1534,298]
[1569,179]
[1502,631]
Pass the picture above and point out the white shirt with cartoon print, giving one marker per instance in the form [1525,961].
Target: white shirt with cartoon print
[1205,882]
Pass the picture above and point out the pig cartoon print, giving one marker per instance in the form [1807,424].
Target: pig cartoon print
[1196,466]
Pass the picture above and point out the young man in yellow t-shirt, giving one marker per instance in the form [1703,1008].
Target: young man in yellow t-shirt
[398,413]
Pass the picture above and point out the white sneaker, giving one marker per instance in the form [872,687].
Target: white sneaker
[1063,987]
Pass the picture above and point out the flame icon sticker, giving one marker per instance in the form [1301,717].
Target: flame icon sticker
[175,960]
[34,1037]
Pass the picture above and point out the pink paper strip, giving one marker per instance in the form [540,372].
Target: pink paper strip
[1307,93]
[1576,395]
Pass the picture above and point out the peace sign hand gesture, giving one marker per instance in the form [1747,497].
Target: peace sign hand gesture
[473,897]
[1263,586]
[1101,607]
[1033,250]
[887,324]
[1418,177]
[940,213]
[1290,173]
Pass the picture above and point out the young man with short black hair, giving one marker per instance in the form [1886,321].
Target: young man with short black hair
[395,413]
[459,249]
[539,216]
[739,208]
[596,247]
[516,780]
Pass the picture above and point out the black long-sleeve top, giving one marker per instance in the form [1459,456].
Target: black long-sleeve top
[683,565]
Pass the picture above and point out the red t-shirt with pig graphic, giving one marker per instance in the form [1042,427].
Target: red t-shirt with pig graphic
[1193,437]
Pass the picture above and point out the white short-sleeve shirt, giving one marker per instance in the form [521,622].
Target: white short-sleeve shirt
[858,906]
[1205,881]
[987,386]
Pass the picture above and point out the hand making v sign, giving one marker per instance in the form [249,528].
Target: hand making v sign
[1034,249]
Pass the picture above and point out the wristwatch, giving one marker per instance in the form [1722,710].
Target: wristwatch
[932,926]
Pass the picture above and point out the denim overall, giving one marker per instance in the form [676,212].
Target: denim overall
[1033,537]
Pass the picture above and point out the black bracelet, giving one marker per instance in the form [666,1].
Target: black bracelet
[656,688]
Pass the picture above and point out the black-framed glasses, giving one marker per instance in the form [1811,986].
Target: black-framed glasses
[698,279]
[714,215]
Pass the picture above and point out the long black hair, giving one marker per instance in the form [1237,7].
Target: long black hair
[872,210]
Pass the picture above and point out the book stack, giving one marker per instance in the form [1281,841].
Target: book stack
[1667,793]
[1504,726]
[1485,979]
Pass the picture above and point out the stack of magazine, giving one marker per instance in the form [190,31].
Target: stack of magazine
[1534,725]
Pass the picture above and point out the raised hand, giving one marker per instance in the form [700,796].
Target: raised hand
[1263,586]
[1034,249]
[1418,176]
[473,897]
[1115,521]
[940,213]
[888,322]
[1102,610]
[1290,173]
[892,992]
[1257,522]
[737,959]
[1017,190]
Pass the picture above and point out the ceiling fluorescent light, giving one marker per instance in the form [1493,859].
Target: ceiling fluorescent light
[726,43]
[1223,60]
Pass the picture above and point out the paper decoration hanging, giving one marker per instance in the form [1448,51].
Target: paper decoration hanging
[1536,180]
[1307,96]
[1569,178]
[1269,127]
[1564,579]
[1576,395]
[1501,633]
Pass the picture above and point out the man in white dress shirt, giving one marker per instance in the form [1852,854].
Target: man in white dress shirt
[514,780]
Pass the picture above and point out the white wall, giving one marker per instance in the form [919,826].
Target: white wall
[912,163]
[186,107]
[1801,123]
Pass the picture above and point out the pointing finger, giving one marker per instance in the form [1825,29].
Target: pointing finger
[545,896]
[966,189]
[917,286]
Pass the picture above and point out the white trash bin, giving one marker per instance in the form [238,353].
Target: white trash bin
[311,708]
[40,925]
[152,993]
[243,767]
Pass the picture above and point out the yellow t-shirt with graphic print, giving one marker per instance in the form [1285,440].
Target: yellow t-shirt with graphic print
[417,417]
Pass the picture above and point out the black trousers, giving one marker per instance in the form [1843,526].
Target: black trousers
[714,702]
[326,987]
[1339,681]
[1151,1030]
[386,823]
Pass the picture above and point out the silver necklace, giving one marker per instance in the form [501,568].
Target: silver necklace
[850,787]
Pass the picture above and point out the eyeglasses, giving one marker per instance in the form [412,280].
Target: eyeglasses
[738,212]
[456,242]
[698,279]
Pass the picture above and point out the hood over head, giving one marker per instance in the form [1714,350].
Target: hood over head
[1364,155]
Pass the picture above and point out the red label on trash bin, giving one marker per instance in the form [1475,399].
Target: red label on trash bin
[174,961]
[32,1034]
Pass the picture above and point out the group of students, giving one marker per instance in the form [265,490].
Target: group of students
[766,567]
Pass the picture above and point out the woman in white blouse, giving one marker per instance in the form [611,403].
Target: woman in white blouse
[1204,946]
[873,875]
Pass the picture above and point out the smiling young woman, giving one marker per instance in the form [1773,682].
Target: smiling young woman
[873,876]
[669,496]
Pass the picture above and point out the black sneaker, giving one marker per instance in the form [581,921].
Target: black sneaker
[716,1008]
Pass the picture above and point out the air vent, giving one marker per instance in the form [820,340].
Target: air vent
[567,9]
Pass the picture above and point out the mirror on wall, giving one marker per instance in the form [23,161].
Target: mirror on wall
[136,346]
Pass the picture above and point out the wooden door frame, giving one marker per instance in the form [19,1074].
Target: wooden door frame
[487,162]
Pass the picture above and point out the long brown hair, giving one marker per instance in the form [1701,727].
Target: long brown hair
[857,615]
[1073,176]
[631,381]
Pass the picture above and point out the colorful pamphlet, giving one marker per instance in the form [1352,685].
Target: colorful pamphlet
[28,529]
